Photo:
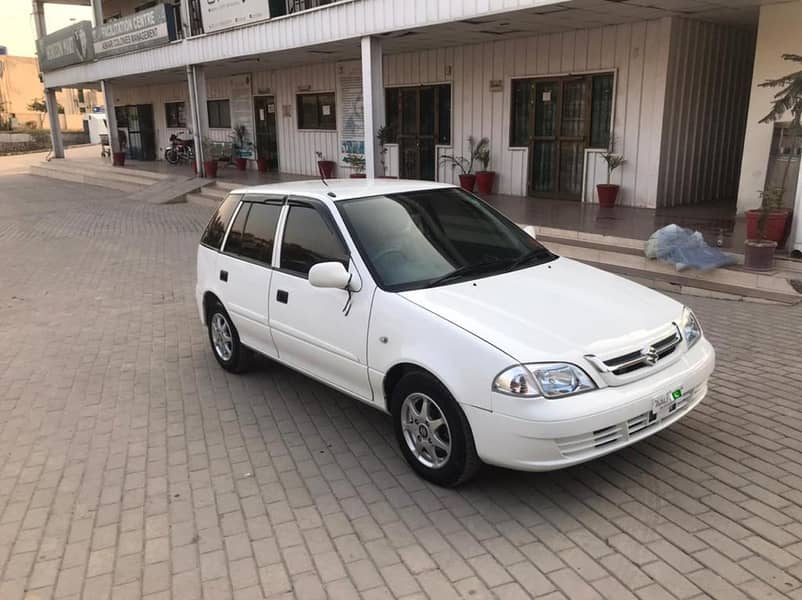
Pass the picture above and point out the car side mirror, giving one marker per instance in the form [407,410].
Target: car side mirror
[329,275]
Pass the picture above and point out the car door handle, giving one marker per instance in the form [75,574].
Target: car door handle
[282,296]
[223,275]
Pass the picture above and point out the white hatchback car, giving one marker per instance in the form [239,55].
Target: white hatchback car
[423,301]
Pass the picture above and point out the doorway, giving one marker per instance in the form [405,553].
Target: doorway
[135,123]
[264,108]
[557,119]
[419,119]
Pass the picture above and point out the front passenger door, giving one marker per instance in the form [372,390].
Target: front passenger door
[312,330]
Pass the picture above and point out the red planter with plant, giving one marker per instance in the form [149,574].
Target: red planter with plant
[261,165]
[467,181]
[357,164]
[210,168]
[608,193]
[776,225]
[477,151]
[484,181]
[118,159]
[242,163]
[357,176]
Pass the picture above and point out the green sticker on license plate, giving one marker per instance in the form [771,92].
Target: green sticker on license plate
[676,394]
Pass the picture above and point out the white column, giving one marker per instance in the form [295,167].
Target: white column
[111,115]
[97,12]
[50,94]
[373,102]
[796,227]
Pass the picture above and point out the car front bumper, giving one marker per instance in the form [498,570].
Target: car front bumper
[554,434]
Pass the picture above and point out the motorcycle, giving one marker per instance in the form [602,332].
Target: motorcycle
[179,150]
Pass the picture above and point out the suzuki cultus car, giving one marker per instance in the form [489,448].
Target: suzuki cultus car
[423,301]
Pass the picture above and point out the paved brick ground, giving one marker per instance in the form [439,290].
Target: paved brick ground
[132,466]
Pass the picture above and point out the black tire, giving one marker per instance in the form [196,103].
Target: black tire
[171,156]
[462,462]
[238,359]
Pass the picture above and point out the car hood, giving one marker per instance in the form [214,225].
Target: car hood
[560,310]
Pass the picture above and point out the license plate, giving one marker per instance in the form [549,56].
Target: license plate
[662,405]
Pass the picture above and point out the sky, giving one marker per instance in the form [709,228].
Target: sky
[17,29]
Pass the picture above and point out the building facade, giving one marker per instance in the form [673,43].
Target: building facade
[553,85]
[20,86]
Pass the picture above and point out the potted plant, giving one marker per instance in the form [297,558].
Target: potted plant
[357,164]
[789,98]
[758,248]
[325,167]
[118,158]
[240,144]
[467,179]
[485,178]
[608,192]
[262,164]
[209,159]
[384,135]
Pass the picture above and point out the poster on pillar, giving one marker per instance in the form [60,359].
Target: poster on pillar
[352,113]
[242,113]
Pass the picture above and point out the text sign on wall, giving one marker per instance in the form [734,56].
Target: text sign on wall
[68,46]
[352,113]
[148,28]
[221,14]
[242,111]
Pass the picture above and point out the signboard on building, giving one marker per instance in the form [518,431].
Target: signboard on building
[68,46]
[221,14]
[145,29]
[242,112]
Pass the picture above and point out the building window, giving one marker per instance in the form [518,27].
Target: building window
[419,110]
[317,111]
[575,106]
[176,117]
[219,114]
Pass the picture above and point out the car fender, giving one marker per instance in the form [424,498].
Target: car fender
[401,332]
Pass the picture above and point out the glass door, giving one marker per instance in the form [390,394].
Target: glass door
[420,119]
[266,140]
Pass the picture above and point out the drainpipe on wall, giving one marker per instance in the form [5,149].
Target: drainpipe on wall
[193,106]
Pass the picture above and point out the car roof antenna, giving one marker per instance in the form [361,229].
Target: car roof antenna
[322,175]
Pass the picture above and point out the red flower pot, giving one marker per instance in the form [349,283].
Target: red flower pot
[357,176]
[326,167]
[195,167]
[242,163]
[118,159]
[261,165]
[608,193]
[387,177]
[467,182]
[210,168]
[484,181]
[777,229]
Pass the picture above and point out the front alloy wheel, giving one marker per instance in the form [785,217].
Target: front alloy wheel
[432,431]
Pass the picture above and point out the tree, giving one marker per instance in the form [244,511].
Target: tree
[39,105]
[788,99]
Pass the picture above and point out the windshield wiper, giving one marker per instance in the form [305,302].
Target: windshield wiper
[534,254]
[464,271]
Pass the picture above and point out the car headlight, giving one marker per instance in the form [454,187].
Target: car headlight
[691,330]
[550,380]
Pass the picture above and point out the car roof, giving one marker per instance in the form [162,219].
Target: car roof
[342,189]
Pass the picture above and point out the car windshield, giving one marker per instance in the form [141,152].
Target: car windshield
[434,237]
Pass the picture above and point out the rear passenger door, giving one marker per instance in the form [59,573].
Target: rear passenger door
[245,269]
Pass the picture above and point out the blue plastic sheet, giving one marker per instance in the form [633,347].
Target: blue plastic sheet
[685,249]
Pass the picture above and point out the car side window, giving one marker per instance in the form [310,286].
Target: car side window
[216,229]
[259,233]
[234,240]
[309,240]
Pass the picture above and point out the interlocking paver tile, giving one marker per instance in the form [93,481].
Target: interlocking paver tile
[131,465]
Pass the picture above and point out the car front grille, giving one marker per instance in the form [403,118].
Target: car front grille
[571,447]
[647,357]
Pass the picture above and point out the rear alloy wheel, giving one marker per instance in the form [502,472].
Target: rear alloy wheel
[432,431]
[224,339]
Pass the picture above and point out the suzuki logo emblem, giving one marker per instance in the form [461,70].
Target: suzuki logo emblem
[650,356]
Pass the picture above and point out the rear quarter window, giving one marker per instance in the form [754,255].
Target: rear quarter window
[216,229]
